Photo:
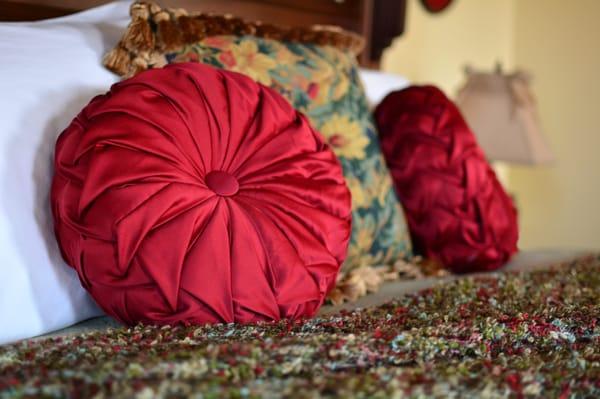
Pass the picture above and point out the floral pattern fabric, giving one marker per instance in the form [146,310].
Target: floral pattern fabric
[323,83]
[533,335]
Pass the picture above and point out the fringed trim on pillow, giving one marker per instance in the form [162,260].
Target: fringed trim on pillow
[364,280]
[154,30]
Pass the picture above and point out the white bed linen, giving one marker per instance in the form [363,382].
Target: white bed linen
[49,70]
[379,84]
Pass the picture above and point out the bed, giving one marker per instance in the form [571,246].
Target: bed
[411,339]
[105,24]
[378,21]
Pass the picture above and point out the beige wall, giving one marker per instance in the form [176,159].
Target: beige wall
[436,47]
[559,42]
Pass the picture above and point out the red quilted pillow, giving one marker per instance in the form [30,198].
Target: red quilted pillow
[457,211]
[189,194]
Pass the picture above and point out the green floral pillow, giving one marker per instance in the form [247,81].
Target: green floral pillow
[321,81]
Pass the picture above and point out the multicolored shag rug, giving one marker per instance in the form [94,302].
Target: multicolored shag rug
[509,335]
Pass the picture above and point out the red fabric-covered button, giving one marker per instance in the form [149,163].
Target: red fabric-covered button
[222,183]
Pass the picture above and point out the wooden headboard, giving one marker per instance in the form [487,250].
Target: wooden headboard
[379,21]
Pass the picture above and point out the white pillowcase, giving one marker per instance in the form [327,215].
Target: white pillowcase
[49,70]
[379,84]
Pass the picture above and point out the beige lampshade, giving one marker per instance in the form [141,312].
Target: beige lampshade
[502,113]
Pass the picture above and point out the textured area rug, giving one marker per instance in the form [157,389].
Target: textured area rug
[505,335]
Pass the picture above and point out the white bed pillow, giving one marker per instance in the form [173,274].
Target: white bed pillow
[379,84]
[49,70]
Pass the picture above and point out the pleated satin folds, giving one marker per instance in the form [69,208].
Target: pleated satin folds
[190,194]
[457,210]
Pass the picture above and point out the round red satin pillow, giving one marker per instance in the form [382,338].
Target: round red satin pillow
[457,211]
[189,194]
